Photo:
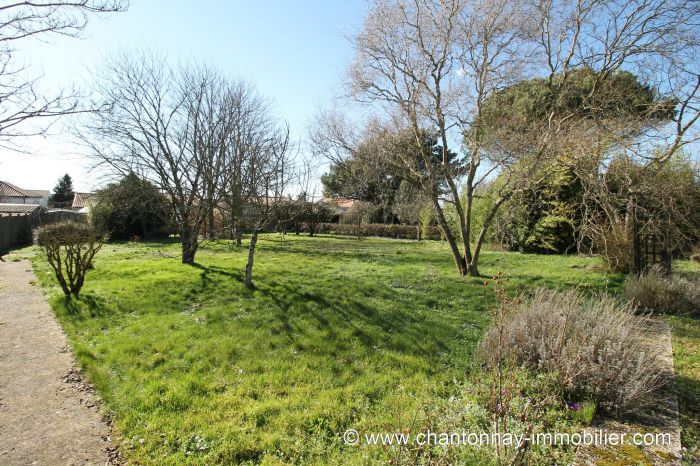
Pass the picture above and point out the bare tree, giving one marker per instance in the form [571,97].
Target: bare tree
[269,170]
[431,65]
[20,98]
[252,127]
[434,65]
[169,126]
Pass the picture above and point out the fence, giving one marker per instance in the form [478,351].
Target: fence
[650,243]
[16,230]
[46,218]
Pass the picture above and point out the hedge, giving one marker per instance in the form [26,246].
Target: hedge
[378,229]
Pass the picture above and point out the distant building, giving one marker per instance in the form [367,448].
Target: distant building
[340,206]
[82,202]
[11,194]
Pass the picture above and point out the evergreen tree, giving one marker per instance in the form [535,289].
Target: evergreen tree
[62,196]
[545,217]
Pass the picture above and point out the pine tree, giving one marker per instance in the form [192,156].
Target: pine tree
[62,196]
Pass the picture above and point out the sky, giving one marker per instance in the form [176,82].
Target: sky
[295,52]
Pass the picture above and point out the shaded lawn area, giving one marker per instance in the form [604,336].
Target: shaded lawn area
[339,334]
[686,355]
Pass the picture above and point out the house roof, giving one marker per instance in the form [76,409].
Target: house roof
[18,208]
[81,200]
[341,203]
[344,203]
[10,190]
[38,192]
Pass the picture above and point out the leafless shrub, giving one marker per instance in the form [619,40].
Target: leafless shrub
[655,291]
[592,345]
[70,248]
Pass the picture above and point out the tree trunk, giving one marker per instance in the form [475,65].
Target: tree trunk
[248,281]
[473,264]
[144,229]
[449,237]
[210,225]
[239,236]
[189,242]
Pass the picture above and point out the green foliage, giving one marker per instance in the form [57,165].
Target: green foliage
[130,208]
[384,230]
[666,196]
[425,220]
[378,169]
[310,214]
[544,217]
[62,196]
[526,106]
[339,334]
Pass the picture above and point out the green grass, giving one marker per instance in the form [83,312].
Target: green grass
[686,358]
[686,349]
[339,334]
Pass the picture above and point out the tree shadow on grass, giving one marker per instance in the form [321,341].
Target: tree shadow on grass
[207,282]
[87,305]
[391,328]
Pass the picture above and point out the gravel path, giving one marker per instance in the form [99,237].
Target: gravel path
[48,415]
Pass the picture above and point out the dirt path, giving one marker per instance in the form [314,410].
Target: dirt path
[47,414]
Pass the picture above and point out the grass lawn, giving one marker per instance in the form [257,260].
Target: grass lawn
[686,349]
[339,334]
[686,356]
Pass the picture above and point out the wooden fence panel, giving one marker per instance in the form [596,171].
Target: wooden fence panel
[15,230]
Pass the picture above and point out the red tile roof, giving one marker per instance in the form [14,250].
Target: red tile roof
[10,190]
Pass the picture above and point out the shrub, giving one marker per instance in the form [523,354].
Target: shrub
[593,346]
[657,292]
[695,253]
[70,248]
[131,208]
[380,229]
[614,244]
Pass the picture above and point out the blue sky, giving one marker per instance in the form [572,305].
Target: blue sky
[294,52]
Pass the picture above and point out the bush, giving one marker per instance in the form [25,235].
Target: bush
[614,244]
[657,292]
[381,229]
[593,347]
[131,208]
[70,249]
